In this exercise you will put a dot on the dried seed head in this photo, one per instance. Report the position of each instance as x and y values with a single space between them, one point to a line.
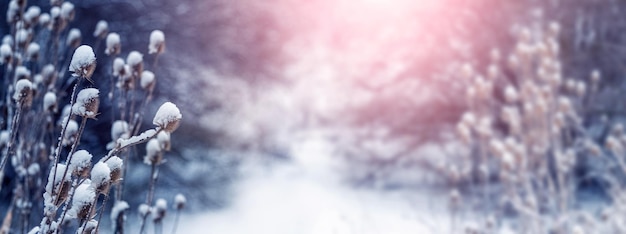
83 62
32 52
154 154
44 20
167 117
126 79
70 133
48 75
180 201
82 201
60 188
6 54
13 12
102 28
23 92
114 47
147 81
89 228
31 16
159 210
119 129
22 72
135 61
143 210
73 38
118 67
164 140
67 11
115 165
50 102
87 102
101 177
23 37
157 42
80 163
118 209
58 23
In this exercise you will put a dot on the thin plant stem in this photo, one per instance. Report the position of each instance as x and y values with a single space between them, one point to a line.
176 218
14 127
104 203
74 145
154 174
69 200
63 130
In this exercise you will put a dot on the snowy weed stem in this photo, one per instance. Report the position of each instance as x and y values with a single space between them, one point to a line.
63 130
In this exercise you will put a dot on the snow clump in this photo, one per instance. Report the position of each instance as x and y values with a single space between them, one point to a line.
83 62
157 42
167 117
86 103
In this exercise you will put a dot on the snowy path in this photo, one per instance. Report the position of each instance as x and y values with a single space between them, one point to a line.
293 199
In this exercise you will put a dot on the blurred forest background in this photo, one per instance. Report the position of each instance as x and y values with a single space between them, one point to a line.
378 83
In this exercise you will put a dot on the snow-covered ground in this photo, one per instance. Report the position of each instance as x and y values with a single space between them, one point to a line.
295 198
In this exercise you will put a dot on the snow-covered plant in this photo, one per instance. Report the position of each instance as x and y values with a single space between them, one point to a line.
73 38
113 45
179 204
102 28
523 127
81 164
157 42
159 210
101 177
87 103
55 180
83 62
135 62
167 117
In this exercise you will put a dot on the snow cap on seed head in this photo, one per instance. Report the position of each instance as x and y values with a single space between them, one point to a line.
87 102
23 92
159 210
50 102
6 53
113 44
32 51
157 42
167 117
115 165
73 38
83 62
154 154
67 11
80 163
102 28
147 80
101 177
135 61
82 200
179 201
